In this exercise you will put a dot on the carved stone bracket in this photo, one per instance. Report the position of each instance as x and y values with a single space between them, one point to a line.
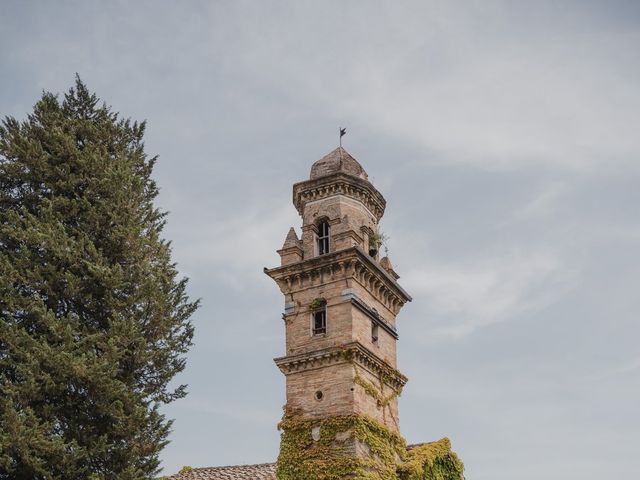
339 184
351 352
351 262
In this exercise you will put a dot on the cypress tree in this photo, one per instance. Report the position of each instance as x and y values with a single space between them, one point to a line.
94 318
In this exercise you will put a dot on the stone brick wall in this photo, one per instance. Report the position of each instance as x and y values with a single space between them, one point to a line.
346 218
334 381
340 395
365 404
385 348
299 337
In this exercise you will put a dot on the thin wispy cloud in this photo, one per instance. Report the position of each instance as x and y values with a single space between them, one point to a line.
234 248
630 367
247 412
447 81
545 201
465 296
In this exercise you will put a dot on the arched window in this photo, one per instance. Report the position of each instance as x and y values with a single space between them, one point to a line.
320 322
318 316
323 238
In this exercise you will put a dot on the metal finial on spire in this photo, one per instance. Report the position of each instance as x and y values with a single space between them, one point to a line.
343 132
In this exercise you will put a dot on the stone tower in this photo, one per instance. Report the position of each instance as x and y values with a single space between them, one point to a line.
341 303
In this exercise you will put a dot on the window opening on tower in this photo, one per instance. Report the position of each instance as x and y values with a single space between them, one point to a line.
374 333
323 238
320 321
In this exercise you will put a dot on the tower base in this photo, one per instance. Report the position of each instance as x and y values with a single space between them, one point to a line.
358 447
346 447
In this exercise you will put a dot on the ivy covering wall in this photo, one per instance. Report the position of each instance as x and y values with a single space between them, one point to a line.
431 461
324 449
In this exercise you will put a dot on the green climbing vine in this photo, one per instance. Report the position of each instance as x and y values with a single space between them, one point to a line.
328 455
374 391
185 469
432 461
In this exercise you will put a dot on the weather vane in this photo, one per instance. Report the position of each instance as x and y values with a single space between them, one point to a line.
343 132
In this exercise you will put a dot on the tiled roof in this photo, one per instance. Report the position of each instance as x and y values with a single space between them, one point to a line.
264 471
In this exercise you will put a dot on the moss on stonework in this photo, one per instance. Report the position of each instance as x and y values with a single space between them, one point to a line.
330 455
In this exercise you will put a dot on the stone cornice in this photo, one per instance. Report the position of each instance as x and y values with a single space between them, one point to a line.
350 262
339 184
351 352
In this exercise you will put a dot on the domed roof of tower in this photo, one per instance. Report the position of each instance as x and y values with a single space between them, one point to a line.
337 161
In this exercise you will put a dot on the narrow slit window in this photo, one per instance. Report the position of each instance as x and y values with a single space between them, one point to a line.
320 322
323 238
374 333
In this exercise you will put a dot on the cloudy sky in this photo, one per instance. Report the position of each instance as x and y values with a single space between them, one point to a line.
504 136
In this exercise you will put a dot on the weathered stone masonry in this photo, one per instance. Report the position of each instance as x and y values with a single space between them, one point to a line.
327 374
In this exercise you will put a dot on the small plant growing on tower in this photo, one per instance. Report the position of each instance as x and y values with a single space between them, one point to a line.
317 303
376 240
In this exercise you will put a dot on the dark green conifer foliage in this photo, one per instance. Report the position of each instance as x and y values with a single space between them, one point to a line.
94 320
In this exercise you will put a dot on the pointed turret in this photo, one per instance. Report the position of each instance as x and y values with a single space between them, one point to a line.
291 240
385 263
291 250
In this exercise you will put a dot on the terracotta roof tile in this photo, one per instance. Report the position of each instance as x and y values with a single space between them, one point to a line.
264 471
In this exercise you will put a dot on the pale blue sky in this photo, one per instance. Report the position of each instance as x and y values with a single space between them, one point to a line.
504 136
